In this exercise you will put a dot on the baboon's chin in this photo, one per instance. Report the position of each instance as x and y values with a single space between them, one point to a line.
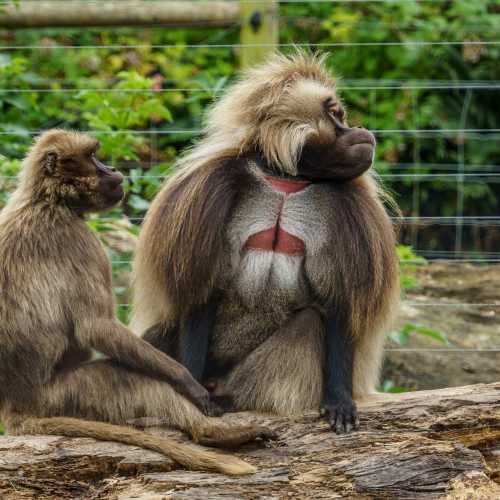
116 195
348 157
111 198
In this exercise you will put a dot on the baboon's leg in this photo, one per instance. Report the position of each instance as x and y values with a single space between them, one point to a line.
107 392
284 374
116 341
368 358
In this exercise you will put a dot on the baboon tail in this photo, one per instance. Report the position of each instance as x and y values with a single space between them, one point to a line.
222 436
191 456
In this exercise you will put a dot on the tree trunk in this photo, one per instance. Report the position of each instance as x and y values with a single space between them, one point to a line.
430 444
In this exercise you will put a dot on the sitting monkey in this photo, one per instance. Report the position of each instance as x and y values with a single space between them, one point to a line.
267 263
57 305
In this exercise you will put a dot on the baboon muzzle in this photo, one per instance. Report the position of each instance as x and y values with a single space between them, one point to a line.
349 156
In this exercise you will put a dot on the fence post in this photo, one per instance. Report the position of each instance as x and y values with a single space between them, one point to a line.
259 26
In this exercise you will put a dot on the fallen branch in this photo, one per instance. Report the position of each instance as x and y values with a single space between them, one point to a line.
432 444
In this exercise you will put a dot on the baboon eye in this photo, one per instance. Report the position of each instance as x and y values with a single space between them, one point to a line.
340 113
334 108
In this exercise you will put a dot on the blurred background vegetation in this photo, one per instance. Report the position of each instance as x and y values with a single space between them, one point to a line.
142 92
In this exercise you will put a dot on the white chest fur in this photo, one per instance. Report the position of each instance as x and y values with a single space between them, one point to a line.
275 228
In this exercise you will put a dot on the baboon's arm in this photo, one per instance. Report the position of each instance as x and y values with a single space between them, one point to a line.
113 339
338 404
194 341
163 337
188 345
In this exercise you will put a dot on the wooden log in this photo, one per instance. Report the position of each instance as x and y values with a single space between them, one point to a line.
38 14
430 444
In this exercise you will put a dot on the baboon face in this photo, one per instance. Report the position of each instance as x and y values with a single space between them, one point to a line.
288 110
333 150
84 182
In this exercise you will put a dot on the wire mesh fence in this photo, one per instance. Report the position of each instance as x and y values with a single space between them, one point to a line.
463 181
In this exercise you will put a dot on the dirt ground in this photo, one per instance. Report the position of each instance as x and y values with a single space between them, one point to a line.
470 325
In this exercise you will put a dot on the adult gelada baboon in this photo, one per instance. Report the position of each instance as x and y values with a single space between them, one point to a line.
57 305
267 262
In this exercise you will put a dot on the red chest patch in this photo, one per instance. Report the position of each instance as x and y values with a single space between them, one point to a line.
276 239
287 186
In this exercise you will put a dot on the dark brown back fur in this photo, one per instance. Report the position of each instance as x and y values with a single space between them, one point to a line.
188 246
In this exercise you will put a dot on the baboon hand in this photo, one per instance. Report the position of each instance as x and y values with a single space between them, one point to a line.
220 405
224 402
195 392
214 410
342 415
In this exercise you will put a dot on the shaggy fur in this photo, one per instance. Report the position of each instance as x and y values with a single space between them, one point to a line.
57 305
197 241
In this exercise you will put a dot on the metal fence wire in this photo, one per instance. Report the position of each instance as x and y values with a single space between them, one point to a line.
457 174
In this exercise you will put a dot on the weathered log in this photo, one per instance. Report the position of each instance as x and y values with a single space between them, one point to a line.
430 444
38 14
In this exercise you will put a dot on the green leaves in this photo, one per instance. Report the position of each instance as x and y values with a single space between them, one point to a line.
128 105
409 262
408 265
402 337
8 172
390 387
137 203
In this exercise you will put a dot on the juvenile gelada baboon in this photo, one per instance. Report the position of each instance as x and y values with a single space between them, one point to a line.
57 305
267 262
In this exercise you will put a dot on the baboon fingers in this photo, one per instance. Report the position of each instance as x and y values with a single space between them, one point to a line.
342 417
215 410
223 402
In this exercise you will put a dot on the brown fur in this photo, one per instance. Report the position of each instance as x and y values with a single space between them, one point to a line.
57 305
276 386
213 194
245 119
278 112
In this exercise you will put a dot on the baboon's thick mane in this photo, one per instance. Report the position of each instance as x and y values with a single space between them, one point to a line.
268 111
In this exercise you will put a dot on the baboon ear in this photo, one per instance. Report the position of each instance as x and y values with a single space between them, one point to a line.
50 162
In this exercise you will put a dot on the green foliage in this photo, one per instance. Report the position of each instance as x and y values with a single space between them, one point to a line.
115 90
417 108
409 262
389 386
8 173
116 113
402 337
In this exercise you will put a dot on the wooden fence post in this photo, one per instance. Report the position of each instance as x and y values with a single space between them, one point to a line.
259 30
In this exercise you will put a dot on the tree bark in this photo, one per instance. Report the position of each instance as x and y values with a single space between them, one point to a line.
38 14
430 444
